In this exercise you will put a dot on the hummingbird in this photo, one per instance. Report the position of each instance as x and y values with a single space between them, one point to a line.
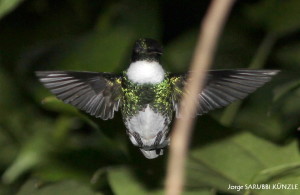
147 95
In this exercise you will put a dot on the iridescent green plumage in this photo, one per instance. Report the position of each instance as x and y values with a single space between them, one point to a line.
137 96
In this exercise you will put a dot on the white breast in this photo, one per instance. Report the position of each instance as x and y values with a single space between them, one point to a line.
143 72
147 124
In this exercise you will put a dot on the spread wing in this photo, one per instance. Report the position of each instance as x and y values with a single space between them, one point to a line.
222 87
99 94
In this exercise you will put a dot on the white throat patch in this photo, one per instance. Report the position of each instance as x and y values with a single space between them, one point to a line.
143 72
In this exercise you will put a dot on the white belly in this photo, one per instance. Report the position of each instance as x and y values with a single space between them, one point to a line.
148 124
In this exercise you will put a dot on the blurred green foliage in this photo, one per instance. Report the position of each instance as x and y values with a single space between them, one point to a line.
48 147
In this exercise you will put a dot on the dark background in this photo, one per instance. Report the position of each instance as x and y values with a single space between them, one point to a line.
47 147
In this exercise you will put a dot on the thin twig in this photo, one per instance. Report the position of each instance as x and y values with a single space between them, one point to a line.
204 51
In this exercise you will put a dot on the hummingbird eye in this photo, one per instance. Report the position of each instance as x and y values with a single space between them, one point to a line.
138 49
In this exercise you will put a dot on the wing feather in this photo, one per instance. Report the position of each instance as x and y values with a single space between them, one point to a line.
99 94
222 87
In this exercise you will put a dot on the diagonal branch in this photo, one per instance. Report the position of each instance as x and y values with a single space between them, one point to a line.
204 51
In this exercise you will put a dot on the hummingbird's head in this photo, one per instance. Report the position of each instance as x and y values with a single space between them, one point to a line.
146 49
